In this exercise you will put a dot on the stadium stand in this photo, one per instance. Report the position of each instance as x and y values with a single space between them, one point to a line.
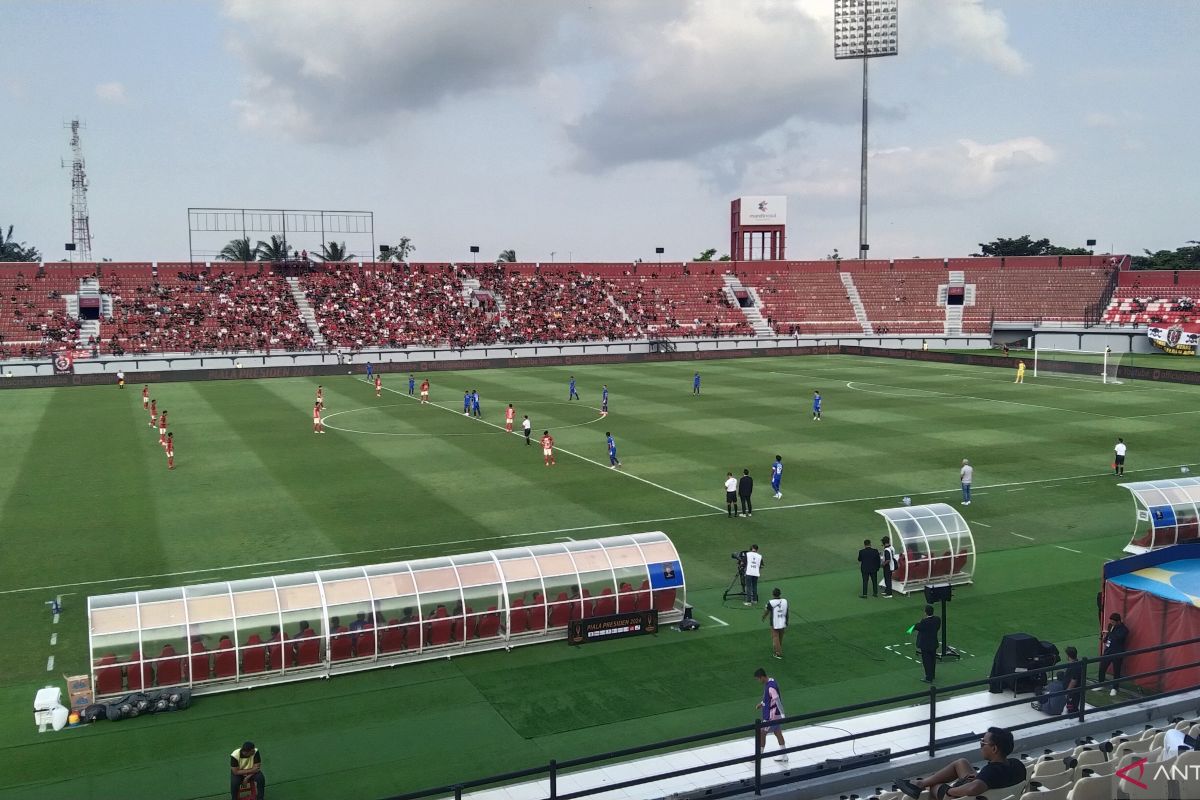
1020 290
900 300
801 297
675 300
33 312
1154 298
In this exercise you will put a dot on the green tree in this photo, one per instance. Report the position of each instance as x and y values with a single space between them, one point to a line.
1179 258
276 249
11 250
707 255
400 251
237 250
1027 246
507 257
334 251
725 257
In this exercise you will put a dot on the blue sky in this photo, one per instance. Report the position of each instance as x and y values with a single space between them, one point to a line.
599 131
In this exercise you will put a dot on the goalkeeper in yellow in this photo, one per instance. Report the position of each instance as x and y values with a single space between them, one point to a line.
1020 372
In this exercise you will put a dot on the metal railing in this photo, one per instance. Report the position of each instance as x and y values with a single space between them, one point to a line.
930 743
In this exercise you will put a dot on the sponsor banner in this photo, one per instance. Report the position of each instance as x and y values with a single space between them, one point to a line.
1177 340
763 210
615 626
64 362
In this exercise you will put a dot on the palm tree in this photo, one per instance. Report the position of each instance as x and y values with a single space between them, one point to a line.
507 256
335 251
237 250
16 251
274 250
401 251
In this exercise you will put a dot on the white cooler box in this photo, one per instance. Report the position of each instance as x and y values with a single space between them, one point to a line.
47 707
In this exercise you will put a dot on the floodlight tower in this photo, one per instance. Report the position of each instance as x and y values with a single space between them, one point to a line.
864 29
81 232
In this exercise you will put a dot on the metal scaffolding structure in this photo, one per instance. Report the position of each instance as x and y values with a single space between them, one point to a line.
81 230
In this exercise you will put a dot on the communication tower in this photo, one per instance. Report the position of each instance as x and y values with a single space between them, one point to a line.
81 232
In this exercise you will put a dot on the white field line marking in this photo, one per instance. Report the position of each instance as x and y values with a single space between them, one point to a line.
718 621
357 553
56 615
577 455
813 504
53 639
1163 414
984 524
132 588
564 538
1033 385
1018 489
895 648
850 385
1023 536
1069 550
49 663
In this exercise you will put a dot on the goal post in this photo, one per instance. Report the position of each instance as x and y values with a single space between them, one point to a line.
1085 364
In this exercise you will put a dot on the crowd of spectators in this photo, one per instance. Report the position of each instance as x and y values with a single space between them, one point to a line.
557 307
33 317
204 311
680 305
397 307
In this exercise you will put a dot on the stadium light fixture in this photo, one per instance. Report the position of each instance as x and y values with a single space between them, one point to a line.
865 29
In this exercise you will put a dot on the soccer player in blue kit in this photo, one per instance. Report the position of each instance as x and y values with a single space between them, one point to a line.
777 476
467 403
604 401
412 385
613 461
696 384
475 404
571 393
816 405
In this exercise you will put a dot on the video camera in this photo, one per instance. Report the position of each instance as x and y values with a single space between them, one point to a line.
740 558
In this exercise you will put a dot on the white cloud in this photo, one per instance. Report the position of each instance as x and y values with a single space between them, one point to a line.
964 26
112 92
960 170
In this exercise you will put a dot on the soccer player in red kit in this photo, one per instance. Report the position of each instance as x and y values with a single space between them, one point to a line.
153 412
378 386
170 451
425 391
145 397
508 418
162 428
318 426
547 448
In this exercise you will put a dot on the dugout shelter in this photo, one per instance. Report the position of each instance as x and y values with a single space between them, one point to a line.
1166 512
235 634
934 544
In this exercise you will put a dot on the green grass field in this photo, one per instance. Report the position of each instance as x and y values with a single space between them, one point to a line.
88 507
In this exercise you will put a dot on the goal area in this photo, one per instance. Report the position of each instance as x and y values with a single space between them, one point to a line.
1103 365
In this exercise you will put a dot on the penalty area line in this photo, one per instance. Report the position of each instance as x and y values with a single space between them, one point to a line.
572 454
718 621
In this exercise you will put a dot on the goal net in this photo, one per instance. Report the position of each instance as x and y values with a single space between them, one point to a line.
1103 365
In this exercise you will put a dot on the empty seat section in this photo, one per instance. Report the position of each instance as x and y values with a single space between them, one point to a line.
169 668
225 660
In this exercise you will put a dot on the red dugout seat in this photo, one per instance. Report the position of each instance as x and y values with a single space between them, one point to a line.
391 638
169 670
308 648
489 624
664 600
254 655
108 675
199 664
340 644
606 604
626 600
364 643
518 616
225 661
139 676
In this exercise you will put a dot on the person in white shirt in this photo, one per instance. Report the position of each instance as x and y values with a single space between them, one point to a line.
777 610
1119 458
964 476
120 379
731 495
526 426
754 561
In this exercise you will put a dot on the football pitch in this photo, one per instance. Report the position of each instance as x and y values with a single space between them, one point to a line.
87 506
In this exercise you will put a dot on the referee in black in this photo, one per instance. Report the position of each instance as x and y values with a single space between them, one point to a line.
745 489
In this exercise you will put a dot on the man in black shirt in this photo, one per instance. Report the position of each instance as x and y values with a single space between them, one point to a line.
868 565
245 766
1115 639
745 489
1073 680
927 641
960 779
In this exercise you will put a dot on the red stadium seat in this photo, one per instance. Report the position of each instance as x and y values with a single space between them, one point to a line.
518 616
625 598
900 573
537 614
308 648
391 638
225 661
960 562
108 675
169 670
254 655
606 604
489 624
138 676
276 651
413 635
199 663
641 600
340 644
464 626
439 631
664 600
364 643
560 615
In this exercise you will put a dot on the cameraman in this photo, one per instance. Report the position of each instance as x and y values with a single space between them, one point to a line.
754 562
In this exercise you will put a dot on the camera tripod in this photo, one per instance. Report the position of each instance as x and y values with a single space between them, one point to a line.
739 580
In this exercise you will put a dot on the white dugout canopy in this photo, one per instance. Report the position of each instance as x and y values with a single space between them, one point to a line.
234 634
934 544
1167 512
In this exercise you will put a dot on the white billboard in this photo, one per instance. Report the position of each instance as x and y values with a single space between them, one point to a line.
763 210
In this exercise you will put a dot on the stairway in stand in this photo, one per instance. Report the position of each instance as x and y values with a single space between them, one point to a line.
306 312
954 314
753 316
860 311
88 328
